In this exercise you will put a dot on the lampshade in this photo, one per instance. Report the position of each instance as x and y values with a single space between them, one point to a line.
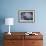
9 21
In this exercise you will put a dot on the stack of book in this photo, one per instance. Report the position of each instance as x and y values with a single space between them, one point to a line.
30 33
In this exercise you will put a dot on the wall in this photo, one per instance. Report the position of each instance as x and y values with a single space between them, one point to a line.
9 8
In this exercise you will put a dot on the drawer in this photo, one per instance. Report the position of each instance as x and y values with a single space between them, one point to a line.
9 43
33 43
37 43
13 43
16 37
33 37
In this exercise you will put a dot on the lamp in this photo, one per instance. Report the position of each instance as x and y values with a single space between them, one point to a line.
9 21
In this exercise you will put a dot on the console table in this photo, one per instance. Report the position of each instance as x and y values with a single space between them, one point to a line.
21 39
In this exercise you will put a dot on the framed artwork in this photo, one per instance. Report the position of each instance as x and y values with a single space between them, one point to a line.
26 16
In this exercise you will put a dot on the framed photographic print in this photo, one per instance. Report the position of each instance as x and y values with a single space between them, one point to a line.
26 16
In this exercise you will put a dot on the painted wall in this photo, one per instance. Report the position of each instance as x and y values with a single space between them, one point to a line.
9 8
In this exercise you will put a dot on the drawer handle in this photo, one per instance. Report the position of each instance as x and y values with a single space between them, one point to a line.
33 42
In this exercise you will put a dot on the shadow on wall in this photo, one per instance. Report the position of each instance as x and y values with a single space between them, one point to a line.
2 21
